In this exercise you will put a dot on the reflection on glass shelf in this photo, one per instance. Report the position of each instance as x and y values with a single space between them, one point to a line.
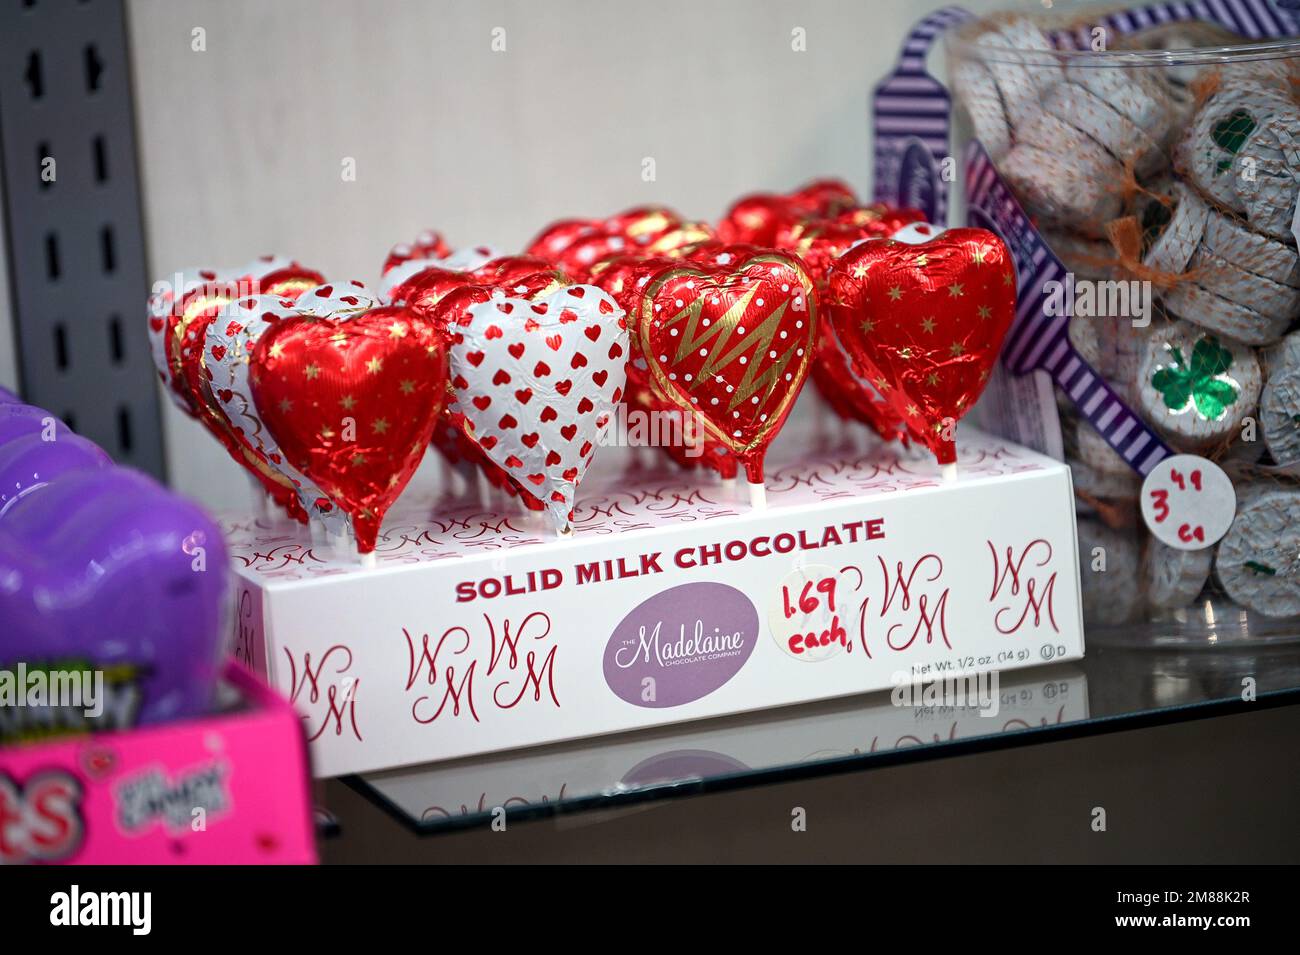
1110 683
1213 621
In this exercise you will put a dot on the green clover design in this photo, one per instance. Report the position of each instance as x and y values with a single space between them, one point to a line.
1204 382
1230 135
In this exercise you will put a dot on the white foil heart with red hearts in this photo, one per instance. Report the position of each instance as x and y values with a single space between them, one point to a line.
163 298
538 383
227 347
338 300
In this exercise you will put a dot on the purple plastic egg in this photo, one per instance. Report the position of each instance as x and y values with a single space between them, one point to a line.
29 462
102 571
19 419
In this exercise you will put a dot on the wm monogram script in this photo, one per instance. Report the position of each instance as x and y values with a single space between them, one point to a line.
514 665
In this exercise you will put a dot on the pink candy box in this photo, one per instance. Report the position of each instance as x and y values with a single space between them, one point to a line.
228 788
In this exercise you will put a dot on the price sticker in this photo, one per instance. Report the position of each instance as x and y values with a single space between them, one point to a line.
1188 502
809 612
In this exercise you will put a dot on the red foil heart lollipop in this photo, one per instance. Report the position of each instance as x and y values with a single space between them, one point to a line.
583 256
507 269
406 261
757 218
288 282
353 403
276 275
427 245
820 241
643 224
576 245
625 279
428 287
683 240
850 395
924 321
731 344
558 236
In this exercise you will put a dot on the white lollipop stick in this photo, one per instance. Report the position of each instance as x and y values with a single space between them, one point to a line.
729 486
820 427
757 495
258 499
949 472
338 541
456 483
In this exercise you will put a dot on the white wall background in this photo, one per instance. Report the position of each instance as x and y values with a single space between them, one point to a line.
241 145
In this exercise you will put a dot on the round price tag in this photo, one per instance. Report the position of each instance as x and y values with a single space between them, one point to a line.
1188 502
809 613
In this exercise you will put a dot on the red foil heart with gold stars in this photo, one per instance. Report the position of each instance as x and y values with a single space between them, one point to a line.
819 242
731 344
352 404
924 322
848 394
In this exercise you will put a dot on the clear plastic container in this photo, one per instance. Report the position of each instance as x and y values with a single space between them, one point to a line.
1161 166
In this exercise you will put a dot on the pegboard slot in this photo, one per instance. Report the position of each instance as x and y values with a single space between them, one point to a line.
99 155
124 437
34 76
107 250
94 68
52 257
61 347
116 350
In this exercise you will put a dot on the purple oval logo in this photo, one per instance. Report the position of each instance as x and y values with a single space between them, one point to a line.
681 645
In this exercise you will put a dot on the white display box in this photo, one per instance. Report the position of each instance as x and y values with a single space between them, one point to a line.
479 631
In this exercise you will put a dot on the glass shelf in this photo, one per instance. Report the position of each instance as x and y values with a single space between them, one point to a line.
1114 687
